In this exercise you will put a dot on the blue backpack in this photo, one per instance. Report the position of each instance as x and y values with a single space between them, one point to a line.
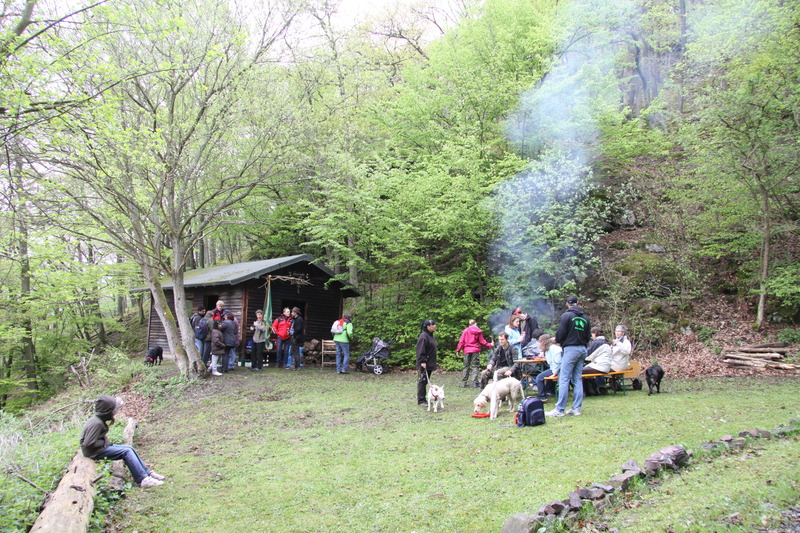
530 413
201 329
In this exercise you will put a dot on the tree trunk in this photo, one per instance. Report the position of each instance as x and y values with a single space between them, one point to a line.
69 508
122 301
191 358
28 349
167 320
765 257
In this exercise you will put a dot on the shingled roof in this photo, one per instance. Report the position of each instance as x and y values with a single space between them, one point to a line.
239 272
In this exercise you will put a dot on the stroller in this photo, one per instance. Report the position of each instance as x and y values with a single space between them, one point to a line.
376 358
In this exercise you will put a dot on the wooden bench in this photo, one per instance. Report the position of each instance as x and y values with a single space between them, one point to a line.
632 373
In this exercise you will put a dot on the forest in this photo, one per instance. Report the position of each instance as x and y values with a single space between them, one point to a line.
448 160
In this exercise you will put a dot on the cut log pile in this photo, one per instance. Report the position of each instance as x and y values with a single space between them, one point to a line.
760 356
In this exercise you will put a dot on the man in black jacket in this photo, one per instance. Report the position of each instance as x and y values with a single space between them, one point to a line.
297 339
573 335
503 359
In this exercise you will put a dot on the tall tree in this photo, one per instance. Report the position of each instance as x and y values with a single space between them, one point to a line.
200 121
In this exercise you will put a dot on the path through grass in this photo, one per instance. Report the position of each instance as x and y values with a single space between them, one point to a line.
316 451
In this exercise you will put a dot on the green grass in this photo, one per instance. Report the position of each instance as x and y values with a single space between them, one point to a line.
315 451
735 492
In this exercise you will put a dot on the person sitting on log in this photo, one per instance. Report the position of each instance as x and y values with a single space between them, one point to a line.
95 444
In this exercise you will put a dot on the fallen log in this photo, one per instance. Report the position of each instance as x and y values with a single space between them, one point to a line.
739 362
775 356
743 357
761 364
750 349
70 506
769 345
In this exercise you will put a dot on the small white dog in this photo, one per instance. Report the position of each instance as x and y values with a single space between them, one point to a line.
435 397
508 389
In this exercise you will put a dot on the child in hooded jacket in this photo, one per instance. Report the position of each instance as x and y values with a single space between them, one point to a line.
95 444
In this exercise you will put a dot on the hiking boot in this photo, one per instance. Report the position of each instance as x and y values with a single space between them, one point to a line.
156 476
463 384
150 482
574 412
555 413
476 384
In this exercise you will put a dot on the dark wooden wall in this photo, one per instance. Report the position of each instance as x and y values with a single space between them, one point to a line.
319 306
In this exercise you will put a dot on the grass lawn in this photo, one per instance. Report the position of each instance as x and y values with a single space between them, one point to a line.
316 451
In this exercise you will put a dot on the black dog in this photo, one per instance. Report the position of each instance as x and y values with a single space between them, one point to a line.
654 375
154 356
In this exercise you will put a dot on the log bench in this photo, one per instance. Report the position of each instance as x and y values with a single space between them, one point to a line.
616 377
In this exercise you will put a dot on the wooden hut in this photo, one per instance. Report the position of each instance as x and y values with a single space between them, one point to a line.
294 281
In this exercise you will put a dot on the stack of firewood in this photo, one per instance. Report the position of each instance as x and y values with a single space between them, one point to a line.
769 355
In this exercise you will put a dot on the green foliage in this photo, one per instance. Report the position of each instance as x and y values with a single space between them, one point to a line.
153 383
39 456
784 286
792 336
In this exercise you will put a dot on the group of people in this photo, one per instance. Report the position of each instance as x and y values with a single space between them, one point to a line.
576 350
218 335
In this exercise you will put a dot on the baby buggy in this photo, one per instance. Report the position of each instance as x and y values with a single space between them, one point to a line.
376 358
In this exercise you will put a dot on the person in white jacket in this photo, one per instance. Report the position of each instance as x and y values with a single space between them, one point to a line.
599 362
552 353
598 354
620 350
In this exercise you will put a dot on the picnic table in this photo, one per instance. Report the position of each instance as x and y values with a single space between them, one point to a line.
537 365
616 378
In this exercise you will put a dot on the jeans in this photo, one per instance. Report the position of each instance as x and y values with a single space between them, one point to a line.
571 371
543 385
199 344
231 358
120 451
281 353
342 356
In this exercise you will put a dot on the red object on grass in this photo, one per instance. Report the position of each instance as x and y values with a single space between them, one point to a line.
480 415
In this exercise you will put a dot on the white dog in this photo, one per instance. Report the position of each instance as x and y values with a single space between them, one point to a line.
435 397
506 389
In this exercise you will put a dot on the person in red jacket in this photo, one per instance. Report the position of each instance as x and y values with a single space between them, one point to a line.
281 326
470 345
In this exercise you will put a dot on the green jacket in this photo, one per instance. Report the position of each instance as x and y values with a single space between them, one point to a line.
346 335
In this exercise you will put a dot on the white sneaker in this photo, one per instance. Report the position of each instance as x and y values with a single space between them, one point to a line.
150 482
156 476
574 412
555 413
215 373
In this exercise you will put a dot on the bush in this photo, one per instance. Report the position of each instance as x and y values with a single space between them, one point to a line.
38 455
